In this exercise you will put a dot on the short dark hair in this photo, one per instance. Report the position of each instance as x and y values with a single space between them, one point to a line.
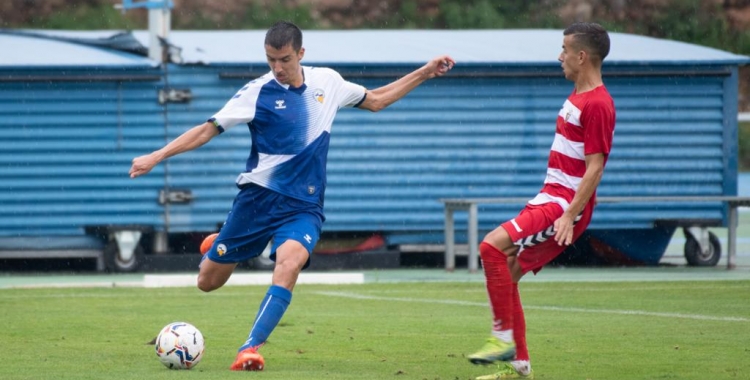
591 37
284 33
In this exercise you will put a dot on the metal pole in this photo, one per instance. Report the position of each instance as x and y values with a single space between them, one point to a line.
473 243
159 25
732 231
450 240
159 20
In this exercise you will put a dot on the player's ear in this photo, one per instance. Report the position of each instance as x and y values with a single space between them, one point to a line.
301 53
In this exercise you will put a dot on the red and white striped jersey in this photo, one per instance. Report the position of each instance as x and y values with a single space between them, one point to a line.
585 125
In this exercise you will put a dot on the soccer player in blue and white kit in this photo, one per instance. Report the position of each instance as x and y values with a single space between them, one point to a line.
289 112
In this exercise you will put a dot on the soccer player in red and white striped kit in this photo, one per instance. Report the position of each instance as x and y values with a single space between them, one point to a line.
562 210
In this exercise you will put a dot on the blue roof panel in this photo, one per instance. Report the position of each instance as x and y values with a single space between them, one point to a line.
512 47
28 51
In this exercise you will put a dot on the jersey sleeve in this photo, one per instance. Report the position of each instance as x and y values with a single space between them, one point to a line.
240 109
598 120
349 94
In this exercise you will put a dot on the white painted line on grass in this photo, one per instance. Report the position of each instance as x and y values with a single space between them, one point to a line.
640 312
544 308
184 280
62 285
190 280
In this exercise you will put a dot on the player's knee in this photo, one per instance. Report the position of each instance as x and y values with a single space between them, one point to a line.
292 258
289 265
206 284
494 237
500 239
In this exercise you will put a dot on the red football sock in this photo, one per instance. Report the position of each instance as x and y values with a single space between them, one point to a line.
519 326
499 288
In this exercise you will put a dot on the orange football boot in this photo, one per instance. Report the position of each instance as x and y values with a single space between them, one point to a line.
248 360
207 243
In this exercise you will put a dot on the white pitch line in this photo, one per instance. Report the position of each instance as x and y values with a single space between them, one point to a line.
62 285
544 308
188 280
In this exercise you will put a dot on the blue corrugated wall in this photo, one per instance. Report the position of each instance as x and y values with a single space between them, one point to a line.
210 171
66 148
66 141
484 136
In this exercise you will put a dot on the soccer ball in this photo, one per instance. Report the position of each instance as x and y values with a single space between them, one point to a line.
179 346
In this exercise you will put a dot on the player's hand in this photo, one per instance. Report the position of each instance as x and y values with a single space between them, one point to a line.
439 66
142 165
564 230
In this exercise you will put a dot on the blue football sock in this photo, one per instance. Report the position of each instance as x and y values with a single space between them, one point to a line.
271 310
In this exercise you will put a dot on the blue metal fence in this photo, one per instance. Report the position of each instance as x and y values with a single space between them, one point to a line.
67 139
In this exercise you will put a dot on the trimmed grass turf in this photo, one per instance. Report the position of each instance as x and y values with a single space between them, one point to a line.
610 330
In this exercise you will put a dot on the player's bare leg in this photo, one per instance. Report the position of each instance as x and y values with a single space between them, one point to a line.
291 257
213 275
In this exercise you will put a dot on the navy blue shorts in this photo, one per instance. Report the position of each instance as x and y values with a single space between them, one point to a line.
260 216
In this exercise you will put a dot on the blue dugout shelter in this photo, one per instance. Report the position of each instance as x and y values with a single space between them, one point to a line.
78 106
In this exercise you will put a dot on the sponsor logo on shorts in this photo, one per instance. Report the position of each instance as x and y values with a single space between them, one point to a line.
308 238
221 249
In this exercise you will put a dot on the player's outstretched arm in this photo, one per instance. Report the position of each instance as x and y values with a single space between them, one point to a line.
191 139
382 97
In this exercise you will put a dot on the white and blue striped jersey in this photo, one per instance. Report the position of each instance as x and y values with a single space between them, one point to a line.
290 129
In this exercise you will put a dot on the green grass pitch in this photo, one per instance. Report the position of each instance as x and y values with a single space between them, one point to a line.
606 330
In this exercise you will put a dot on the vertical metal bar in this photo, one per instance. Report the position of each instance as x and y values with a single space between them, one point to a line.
450 239
732 231
100 262
119 115
159 25
161 240
473 243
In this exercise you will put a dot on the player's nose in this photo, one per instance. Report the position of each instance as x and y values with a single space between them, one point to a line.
276 67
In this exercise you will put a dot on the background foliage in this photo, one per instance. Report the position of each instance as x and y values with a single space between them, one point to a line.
724 24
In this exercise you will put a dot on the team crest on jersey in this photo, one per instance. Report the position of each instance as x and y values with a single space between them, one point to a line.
567 116
311 190
319 95
221 249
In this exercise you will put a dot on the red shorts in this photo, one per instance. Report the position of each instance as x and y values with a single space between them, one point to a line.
533 232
